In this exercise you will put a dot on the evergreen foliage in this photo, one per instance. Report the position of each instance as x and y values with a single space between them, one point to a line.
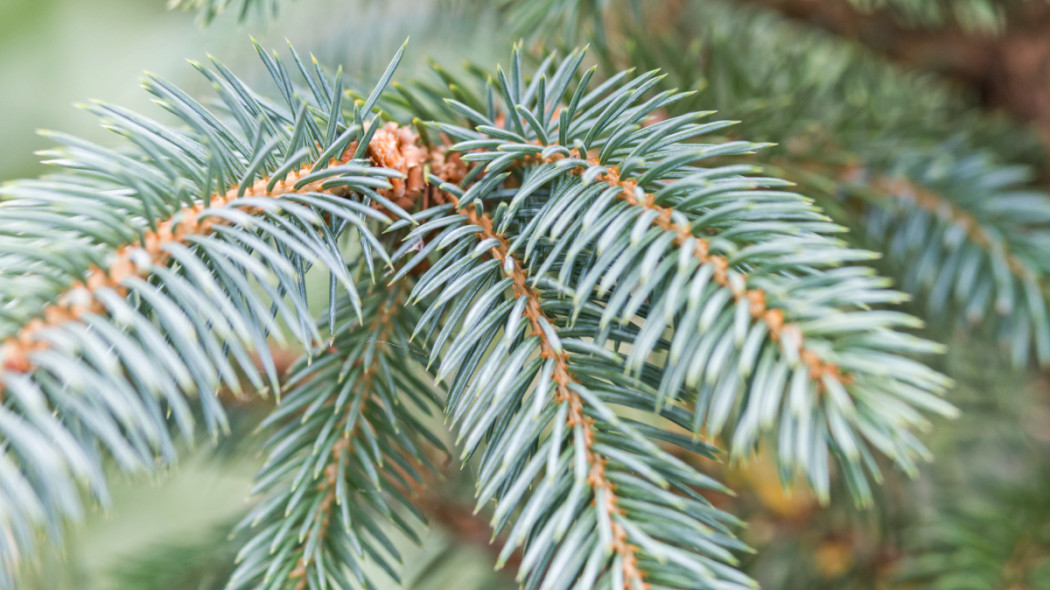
981 15
909 165
593 280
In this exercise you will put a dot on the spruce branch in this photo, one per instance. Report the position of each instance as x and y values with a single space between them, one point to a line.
153 250
553 209
967 235
637 252
345 449
787 335
565 393
599 543
880 169
189 243
595 289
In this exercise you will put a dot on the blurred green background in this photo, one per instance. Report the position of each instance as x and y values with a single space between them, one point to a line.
56 53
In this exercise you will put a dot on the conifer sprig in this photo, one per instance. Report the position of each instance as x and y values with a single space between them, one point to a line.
748 278
595 293
135 281
600 529
970 237
940 187
345 456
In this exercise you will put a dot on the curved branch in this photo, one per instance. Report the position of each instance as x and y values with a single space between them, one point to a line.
633 577
786 334
136 260
381 326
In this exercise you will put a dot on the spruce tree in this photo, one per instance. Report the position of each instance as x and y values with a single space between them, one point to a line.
657 252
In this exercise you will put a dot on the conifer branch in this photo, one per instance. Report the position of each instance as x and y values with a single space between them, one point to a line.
981 263
146 249
531 184
593 259
345 452
787 335
154 250
544 329
968 238
594 290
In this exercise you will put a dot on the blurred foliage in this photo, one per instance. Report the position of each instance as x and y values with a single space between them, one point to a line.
58 53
